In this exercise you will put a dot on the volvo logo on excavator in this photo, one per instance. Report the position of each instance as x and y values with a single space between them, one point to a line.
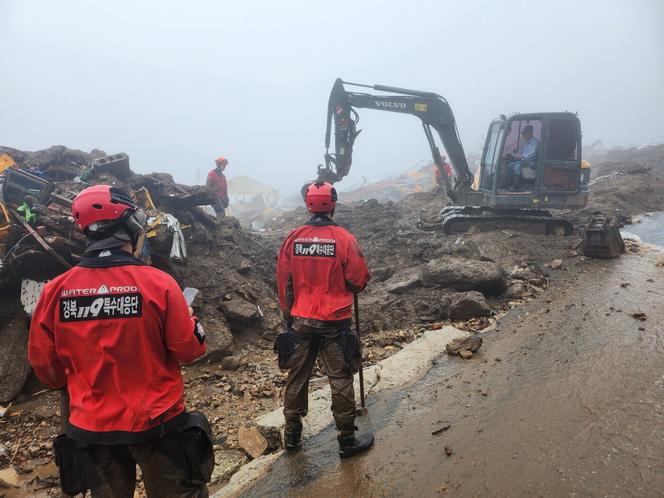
394 105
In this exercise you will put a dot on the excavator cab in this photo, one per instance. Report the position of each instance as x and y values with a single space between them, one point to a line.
532 161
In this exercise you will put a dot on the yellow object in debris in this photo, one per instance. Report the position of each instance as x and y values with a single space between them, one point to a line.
5 221
144 198
6 162
585 164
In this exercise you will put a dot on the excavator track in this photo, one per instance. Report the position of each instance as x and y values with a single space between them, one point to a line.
457 219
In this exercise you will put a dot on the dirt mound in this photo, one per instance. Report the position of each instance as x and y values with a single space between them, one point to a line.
651 157
626 182
401 243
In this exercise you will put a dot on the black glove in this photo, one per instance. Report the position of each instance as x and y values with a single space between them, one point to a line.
288 320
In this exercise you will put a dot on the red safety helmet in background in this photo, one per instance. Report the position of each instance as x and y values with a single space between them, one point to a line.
321 197
102 209
221 160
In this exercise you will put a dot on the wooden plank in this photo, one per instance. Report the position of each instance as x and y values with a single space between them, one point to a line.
41 241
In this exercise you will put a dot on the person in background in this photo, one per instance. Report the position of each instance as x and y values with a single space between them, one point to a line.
216 180
440 181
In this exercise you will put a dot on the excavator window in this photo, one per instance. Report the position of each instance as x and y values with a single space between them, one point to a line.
516 145
491 155
561 172
514 141
563 140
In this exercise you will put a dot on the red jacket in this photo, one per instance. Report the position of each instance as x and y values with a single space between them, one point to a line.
114 331
217 182
319 267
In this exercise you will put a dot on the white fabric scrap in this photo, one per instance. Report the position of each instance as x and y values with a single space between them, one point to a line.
178 248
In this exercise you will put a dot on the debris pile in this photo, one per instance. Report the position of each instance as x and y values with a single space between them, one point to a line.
39 240
393 188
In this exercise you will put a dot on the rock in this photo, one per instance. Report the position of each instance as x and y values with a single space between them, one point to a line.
556 264
520 273
227 462
244 267
9 476
471 344
538 282
377 325
257 441
469 305
465 354
14 366
464 275
218 338
516 290
251 441
403 282
230 363
239 309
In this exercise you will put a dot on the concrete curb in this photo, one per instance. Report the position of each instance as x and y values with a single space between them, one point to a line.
406 366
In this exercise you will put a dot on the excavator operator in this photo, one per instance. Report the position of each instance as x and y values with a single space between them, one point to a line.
527 158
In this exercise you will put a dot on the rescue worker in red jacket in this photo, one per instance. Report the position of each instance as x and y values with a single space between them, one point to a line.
113 332
216 180
319 268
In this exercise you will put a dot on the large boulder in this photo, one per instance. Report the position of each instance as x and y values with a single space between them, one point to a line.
218 338
403 282
469 305
239 310
14 366
464 275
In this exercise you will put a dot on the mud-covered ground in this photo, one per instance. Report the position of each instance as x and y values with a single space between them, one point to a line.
408 293
562 399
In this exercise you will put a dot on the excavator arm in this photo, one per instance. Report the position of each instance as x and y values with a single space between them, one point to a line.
432 110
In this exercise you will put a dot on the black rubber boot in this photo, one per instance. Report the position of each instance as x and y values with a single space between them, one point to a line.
351 445
293 440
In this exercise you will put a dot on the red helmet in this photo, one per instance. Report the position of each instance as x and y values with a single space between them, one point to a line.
320 197
102 208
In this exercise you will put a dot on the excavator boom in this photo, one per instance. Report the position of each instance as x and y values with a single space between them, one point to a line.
432 110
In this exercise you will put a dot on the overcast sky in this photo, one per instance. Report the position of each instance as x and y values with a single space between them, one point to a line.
175 84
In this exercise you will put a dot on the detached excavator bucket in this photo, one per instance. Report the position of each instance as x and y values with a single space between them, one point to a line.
601 237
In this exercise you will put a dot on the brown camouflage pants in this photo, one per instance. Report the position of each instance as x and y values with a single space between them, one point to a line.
325 341
162 476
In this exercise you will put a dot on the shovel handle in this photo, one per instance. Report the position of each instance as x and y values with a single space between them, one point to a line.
357 329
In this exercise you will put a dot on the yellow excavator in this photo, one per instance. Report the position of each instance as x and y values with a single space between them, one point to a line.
530 162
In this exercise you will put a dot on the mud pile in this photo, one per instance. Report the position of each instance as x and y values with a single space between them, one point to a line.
626 182
422 276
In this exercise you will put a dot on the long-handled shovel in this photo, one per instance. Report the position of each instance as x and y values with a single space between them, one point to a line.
362 412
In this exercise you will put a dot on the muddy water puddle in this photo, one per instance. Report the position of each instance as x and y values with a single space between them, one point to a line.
648 228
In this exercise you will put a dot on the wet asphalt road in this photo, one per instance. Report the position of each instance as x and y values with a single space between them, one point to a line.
565 398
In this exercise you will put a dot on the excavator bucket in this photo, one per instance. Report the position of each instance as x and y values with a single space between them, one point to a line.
602 238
